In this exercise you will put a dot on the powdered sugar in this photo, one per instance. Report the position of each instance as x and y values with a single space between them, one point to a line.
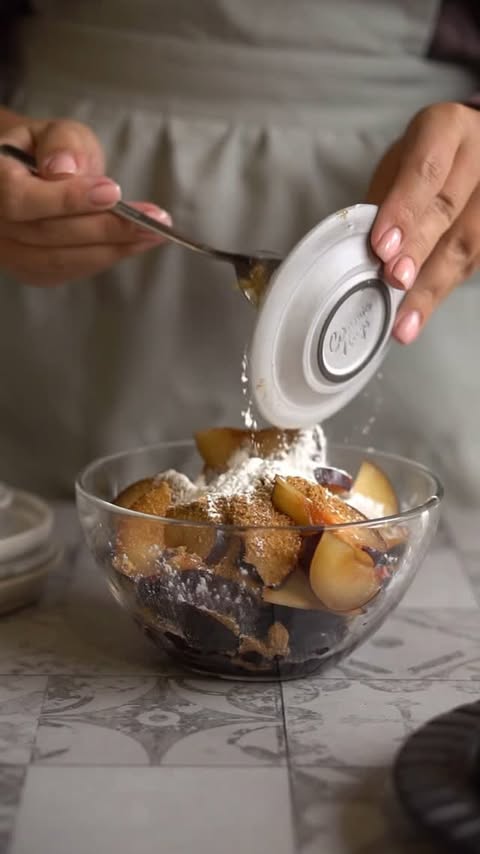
247 413
181 486
370 508
246 472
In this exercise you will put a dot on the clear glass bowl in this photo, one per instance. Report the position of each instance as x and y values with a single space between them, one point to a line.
209 610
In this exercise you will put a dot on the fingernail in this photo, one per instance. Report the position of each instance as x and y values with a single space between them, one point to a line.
160 215
407 328
389 244
404 271
104 194
61 163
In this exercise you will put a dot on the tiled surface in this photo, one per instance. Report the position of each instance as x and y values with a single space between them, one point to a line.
106 747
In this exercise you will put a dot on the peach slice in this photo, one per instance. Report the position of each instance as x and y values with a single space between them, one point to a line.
333 479
217 445
373 492
295 593
311 504
339 579
139 541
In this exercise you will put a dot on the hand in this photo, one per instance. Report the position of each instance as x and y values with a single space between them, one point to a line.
56 228
427 230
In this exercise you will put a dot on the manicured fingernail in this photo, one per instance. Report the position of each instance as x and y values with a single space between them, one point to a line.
61 163
160 215
389 244
407 327
404 272
104 194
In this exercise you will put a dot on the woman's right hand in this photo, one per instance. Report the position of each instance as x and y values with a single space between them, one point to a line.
57 228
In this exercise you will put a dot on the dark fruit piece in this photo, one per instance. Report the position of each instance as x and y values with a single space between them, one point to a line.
133 492
217 446
335 480
273 553
339 578
139 541
180 582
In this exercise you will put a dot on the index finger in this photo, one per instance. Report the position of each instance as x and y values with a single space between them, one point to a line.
429 150
26 198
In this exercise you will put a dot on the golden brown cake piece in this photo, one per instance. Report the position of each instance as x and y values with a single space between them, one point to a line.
203 539
133 492
273 553
140 541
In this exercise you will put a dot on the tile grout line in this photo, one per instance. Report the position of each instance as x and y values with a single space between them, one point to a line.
293 808
11 835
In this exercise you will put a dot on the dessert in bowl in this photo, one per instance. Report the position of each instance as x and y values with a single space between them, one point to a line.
258 554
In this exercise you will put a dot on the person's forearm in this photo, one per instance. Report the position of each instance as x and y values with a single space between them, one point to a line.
8 119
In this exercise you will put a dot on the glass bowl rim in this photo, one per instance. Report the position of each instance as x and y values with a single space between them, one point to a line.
432 502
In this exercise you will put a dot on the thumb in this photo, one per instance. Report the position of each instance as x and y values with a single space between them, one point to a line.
66 148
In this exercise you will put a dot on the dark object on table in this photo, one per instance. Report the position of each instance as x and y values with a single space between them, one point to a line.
437 778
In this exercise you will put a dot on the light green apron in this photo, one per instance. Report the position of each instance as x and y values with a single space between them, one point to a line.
250 122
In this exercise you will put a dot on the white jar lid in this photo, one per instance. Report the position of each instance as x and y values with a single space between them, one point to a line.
324 323
26 524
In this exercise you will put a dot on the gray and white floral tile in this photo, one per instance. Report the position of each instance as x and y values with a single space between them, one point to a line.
338 723
142 810
351 810
11 783
431 643
21 699
440 582
81 638
471 565
462 523
151 721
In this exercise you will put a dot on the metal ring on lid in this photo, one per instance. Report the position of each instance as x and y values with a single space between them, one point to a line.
324 323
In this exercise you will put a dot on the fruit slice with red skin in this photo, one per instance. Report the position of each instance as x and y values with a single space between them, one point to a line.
338 578
372 484
295 593
336 480
311 504
217 446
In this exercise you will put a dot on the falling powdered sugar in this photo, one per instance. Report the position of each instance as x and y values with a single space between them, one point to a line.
246 472
247 413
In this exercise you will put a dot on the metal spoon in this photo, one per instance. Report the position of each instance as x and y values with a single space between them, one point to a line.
252 271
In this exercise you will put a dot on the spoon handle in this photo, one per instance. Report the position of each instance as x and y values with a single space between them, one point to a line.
128 212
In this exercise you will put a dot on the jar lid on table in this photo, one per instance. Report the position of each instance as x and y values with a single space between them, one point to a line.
28 551
324 323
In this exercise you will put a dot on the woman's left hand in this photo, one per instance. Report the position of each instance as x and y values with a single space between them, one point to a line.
427 230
